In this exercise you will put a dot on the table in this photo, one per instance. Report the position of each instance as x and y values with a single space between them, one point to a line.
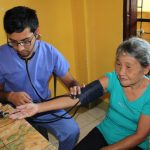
20 135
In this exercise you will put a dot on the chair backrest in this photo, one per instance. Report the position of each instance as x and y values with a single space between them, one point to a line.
55 84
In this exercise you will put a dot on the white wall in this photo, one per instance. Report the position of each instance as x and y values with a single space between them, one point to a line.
146 5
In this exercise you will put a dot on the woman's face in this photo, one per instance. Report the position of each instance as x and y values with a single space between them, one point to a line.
129 70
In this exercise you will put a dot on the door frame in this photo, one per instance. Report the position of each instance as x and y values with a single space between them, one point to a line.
129 18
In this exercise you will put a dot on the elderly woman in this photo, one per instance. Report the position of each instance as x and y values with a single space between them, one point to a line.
127 122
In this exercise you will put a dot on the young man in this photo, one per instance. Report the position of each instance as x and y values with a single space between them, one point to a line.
26 65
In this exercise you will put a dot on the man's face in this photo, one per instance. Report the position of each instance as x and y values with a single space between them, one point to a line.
22 42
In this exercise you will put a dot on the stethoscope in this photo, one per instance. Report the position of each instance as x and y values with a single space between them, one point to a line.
56 117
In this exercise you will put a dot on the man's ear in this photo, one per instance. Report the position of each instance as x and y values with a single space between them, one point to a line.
37 30
37 34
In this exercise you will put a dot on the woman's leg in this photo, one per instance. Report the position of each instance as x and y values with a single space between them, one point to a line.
136 148
93 141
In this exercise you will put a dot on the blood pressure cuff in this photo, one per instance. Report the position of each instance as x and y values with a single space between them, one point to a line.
91 92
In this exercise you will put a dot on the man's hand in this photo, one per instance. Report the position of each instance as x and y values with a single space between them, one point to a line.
76 90
19 98
24 111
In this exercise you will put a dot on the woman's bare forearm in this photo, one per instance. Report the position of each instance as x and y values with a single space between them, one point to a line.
59 103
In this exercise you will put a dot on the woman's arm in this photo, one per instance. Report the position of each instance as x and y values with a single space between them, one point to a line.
129 142
31 109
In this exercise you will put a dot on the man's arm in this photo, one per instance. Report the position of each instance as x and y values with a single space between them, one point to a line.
3 95
131 141
17 98
69 81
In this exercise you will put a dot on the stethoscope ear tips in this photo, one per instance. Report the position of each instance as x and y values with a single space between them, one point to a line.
38 36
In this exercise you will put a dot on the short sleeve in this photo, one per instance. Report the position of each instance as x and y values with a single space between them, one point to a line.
61 65
146 108
111 80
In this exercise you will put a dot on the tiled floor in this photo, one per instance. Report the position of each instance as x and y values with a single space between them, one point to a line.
87 118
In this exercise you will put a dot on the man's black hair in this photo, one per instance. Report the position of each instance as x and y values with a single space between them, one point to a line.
19 18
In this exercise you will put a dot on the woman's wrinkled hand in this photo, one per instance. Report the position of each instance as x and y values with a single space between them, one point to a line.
24 111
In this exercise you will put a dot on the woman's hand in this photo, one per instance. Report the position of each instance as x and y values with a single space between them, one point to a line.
24 111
